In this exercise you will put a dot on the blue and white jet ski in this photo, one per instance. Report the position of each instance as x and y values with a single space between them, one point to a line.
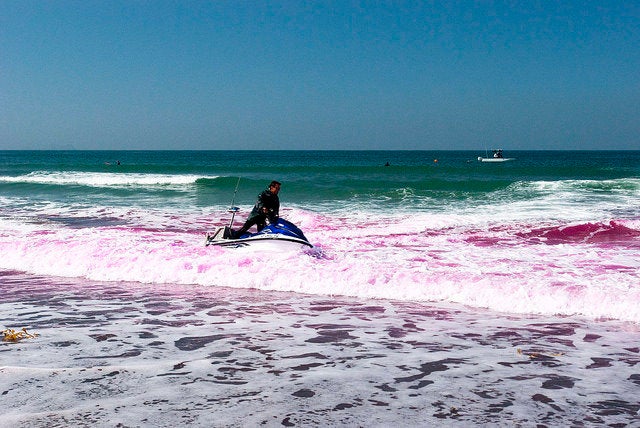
280 235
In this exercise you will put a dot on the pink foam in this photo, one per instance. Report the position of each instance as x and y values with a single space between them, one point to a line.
586 233
589 268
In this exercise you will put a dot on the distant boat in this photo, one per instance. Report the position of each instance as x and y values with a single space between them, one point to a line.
497 157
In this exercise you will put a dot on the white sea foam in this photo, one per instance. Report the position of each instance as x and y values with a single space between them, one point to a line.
424 257
125 354
105 179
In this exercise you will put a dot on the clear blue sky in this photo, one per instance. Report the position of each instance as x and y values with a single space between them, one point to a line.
319 75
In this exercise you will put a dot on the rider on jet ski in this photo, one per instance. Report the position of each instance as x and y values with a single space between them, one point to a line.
267 207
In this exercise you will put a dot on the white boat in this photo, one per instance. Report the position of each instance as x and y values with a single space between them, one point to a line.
497 157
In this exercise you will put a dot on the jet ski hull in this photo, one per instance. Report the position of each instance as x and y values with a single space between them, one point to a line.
278 236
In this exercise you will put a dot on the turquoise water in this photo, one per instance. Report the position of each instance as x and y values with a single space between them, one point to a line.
324 179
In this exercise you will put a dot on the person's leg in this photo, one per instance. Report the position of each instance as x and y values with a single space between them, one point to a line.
247 225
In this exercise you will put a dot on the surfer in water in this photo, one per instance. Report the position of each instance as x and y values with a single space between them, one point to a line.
267 207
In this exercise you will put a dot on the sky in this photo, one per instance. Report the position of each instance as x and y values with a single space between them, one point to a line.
358 75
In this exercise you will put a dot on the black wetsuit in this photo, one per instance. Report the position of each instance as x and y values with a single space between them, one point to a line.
258 216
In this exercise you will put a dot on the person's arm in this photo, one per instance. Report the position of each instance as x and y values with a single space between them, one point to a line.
261 203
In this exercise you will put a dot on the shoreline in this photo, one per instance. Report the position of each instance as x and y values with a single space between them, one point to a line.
111 353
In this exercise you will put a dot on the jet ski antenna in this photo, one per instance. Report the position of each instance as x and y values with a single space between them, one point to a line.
233 209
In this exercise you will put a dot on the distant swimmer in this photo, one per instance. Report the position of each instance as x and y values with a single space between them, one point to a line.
387 164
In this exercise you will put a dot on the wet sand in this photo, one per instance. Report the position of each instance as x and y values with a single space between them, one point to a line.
126 354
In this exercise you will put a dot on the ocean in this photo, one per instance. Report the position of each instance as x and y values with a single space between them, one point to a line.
440 289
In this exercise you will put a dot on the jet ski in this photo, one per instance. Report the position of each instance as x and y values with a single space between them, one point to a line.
280 235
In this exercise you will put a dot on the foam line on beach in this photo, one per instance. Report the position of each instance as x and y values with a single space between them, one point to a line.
216 356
